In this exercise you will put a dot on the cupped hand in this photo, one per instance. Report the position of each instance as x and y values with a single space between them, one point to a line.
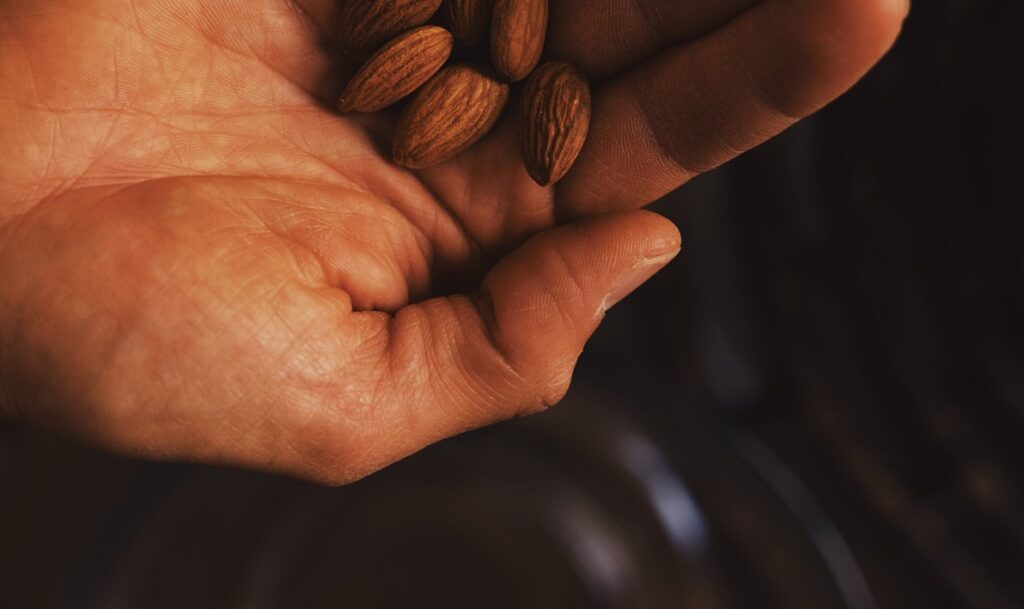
201 260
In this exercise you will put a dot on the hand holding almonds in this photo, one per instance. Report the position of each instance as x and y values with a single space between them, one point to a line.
453 107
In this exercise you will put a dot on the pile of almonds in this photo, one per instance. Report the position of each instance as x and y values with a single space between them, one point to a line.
456 103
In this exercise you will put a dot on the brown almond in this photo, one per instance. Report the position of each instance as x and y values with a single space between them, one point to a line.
366 24
398 69
468 19
554 121
518 31
448 115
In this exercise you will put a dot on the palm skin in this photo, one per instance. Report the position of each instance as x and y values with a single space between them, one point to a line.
201 260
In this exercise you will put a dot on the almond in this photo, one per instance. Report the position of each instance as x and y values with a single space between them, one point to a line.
518 30
366 24
468 19
448 115
398 69
554 121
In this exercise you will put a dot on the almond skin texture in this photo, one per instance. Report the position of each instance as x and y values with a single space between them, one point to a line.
554 121
518 31
398 69
367 24
448 115
469 19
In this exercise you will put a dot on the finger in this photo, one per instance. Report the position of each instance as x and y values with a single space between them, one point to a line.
452 364
603 38
697 105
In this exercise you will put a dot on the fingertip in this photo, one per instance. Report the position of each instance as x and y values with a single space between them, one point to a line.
637 276
874 24
451 364
825 48
663 236
549 296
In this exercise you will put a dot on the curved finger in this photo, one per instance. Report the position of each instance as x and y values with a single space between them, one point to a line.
697 105
453 364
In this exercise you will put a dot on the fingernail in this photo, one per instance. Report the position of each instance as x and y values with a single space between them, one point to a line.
639 275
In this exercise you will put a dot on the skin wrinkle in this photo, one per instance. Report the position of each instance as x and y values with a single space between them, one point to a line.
285 352
295 438
210 267
659 136
244 398
19 44
169 288
193 133
672 127
483 303
226 289
414 282
475 396
243 56
326 276
302 256
249 49
478 393
424 237
102 148
754 84
633 31
574 287
47 170
650 19
475 246
137 28
322 29
138 22
267 51
238 54
435 331
323 162
502 381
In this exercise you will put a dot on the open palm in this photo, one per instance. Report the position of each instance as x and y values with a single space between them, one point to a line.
200 259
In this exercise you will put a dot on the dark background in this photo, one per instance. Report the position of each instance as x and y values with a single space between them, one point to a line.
820 404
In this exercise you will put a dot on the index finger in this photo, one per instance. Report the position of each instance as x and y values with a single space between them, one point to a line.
698 104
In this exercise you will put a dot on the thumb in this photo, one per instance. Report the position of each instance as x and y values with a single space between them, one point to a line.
456 363
542 304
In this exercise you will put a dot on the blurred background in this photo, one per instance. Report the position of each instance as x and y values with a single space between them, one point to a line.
819 405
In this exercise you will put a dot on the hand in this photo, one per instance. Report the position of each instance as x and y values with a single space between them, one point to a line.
200 260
